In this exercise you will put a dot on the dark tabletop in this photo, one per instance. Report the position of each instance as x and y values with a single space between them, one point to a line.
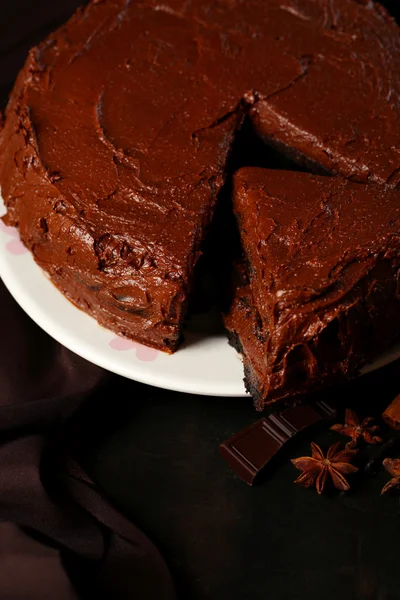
156 455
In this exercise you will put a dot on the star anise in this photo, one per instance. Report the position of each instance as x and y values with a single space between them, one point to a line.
318 469
357 430
392 466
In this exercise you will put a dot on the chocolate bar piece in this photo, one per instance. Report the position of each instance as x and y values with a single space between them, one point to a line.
250 450
391 416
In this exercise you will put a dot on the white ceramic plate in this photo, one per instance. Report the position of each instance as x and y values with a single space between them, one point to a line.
206 364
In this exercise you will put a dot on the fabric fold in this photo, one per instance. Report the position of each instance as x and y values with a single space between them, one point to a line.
60 537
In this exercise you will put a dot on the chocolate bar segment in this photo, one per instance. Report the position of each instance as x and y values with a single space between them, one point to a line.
250 450
391 415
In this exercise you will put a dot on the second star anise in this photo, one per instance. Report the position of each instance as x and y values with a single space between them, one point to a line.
392 466
318 469
358 430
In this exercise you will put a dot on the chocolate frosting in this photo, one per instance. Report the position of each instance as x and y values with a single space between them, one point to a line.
324 278
119 127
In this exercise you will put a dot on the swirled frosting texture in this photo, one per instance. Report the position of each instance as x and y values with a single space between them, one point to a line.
119 127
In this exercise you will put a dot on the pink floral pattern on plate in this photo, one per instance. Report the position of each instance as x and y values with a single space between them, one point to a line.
14 246
142 352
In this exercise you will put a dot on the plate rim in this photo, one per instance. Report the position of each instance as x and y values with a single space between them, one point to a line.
81 346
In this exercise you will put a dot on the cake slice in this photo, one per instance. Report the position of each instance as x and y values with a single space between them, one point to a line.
322 292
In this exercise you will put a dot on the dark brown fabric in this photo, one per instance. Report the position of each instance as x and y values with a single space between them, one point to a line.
42 489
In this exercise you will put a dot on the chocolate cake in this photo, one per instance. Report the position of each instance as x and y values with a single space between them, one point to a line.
119 128
322 293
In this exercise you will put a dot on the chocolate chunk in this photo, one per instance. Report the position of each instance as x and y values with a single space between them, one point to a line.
250 450
391 415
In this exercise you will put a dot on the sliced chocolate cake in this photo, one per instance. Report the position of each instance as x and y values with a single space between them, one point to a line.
322 295
119 128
